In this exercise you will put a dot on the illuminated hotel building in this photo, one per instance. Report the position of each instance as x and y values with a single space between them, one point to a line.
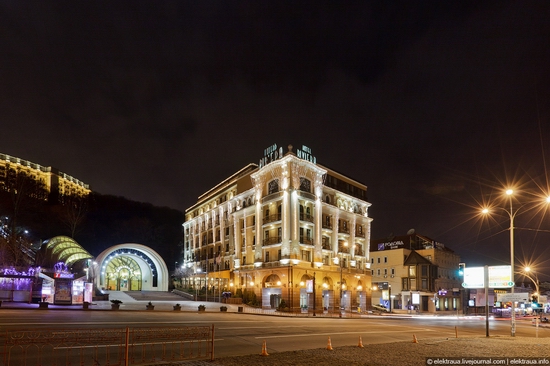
56 184
285 229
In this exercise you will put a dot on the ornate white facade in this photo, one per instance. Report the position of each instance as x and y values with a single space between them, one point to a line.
286 229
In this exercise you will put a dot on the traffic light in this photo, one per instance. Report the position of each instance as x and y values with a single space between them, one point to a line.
461 267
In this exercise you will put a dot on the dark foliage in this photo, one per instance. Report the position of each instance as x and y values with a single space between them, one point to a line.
107 221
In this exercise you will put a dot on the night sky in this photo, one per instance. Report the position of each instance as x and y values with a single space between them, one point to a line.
434 105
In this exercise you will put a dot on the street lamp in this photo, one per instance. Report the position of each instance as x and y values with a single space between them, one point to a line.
535 281
512 214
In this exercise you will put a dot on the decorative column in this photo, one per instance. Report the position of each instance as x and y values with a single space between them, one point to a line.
258 257
237 239
285 212
318 221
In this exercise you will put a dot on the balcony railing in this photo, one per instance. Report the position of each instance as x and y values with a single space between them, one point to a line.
306 195
344 230
327 225
273 240
327 247
272 196
272 218
306 217
306 240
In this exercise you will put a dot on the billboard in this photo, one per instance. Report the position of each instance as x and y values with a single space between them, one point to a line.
499 277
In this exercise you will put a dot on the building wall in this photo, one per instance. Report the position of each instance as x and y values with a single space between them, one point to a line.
273 228
442 274
56 183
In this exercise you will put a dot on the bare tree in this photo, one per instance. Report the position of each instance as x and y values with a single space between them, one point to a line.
73 213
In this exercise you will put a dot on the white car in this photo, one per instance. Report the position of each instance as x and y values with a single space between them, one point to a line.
380 307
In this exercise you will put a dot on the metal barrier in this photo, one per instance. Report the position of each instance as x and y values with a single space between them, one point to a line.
113 347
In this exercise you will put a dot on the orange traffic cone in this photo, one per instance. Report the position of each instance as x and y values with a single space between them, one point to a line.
414 339
360 345
329 345
264 350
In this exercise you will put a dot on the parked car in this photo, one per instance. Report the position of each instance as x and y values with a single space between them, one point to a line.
381 308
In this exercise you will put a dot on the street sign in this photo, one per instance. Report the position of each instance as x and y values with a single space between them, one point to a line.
517 297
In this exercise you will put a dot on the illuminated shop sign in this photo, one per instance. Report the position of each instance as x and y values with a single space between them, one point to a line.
391 245
63 275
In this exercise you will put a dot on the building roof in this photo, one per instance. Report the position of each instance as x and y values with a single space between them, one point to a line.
62 249
414 258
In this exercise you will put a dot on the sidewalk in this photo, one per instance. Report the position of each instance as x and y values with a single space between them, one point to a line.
128 303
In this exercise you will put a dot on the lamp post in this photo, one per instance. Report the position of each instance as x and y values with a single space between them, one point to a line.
198 271
535 281
509 192
512 214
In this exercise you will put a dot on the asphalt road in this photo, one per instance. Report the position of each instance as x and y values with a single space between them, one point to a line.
242 334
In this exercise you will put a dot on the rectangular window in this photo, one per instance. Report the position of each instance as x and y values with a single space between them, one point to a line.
412 271
393 272
378 272
279 255
424 284
244 259
378 260
413 284
424 269
385 259
405 283
267 256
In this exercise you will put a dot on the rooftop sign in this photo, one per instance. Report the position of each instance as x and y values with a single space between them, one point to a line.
391 245
274 152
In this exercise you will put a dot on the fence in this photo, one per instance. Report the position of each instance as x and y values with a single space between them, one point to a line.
113 347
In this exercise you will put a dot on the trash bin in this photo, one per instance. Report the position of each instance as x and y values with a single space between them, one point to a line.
240 309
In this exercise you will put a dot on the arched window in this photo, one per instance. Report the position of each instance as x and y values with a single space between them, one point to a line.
273 186
305 185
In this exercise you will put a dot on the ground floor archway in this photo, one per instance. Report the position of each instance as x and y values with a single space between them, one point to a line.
131 267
